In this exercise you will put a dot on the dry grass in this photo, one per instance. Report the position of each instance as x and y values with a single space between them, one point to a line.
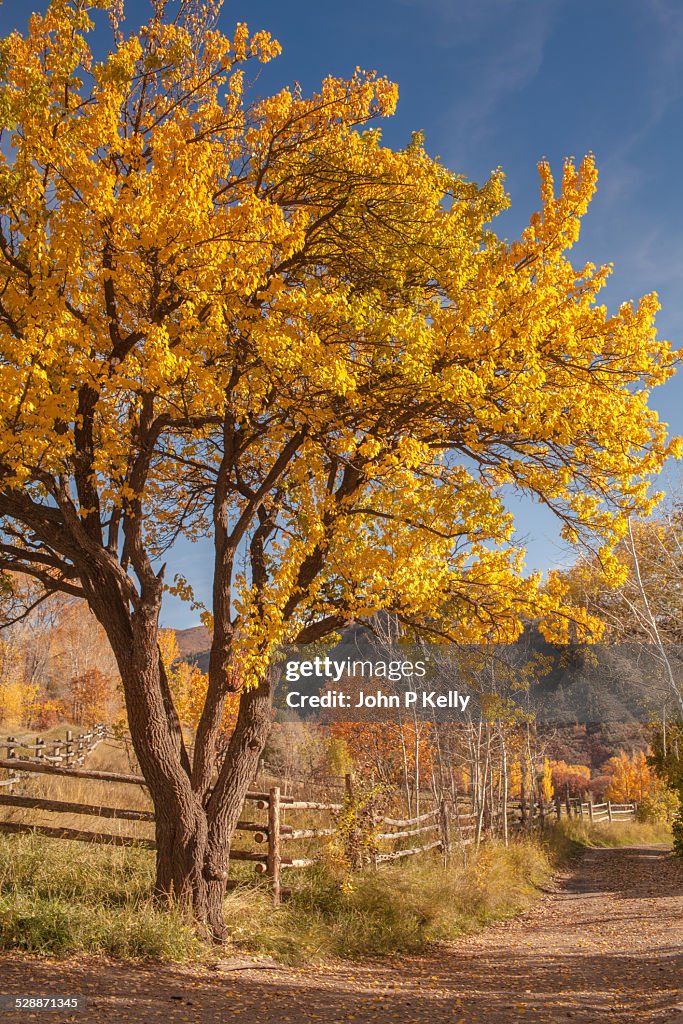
399 908
626 833
99 901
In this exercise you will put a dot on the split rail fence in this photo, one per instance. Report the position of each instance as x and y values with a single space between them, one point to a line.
68 751
391 839
274 833
608 811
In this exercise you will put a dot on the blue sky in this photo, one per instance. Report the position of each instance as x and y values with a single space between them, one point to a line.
505 83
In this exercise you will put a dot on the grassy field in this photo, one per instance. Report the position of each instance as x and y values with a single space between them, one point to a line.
627 833
98 901
61 898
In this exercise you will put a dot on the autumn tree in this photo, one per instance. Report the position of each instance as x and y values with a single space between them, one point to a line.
395 752
90 697
570 779
248 320
631 778
667 761
637 594
51 639
77 643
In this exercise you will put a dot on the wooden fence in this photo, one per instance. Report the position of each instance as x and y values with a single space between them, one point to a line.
68 751
390 839
607 811
274 833
427 826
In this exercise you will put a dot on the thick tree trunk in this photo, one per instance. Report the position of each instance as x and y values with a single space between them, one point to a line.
193 852
184 874
195 819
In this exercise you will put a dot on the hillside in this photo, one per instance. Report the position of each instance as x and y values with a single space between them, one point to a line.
193 641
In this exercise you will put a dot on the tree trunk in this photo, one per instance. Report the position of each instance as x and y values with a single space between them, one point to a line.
195 823
193 852
189 875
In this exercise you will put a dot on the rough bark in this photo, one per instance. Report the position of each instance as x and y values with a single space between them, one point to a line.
194 827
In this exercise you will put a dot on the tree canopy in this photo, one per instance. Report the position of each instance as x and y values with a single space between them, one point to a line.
248 319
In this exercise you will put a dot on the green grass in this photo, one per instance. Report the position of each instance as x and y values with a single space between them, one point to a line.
57 898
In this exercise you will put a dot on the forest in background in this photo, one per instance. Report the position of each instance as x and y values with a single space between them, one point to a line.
56 668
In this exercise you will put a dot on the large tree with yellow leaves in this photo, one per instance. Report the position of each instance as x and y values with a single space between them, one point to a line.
247 319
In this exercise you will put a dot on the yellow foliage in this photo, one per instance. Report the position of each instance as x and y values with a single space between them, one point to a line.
631 778
17 700
547 787
199 285
515 780
188 685
636 591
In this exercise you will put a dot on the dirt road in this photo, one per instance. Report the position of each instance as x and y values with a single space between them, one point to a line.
607 946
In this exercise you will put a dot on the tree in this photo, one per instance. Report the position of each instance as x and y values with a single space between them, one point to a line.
249 320
667 761
546 786
631 778
637 595
642 602
643 605
91 695
571 779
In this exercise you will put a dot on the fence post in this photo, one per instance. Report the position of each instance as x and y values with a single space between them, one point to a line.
558 807
274 858
445 829
11 752
348 785
541 806
609 809
69 748
39 745
567 801
590 808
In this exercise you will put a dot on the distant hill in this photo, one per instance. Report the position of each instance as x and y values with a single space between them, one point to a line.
602 706
193 641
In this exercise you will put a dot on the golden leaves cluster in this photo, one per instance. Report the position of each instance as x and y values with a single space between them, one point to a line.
168 240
